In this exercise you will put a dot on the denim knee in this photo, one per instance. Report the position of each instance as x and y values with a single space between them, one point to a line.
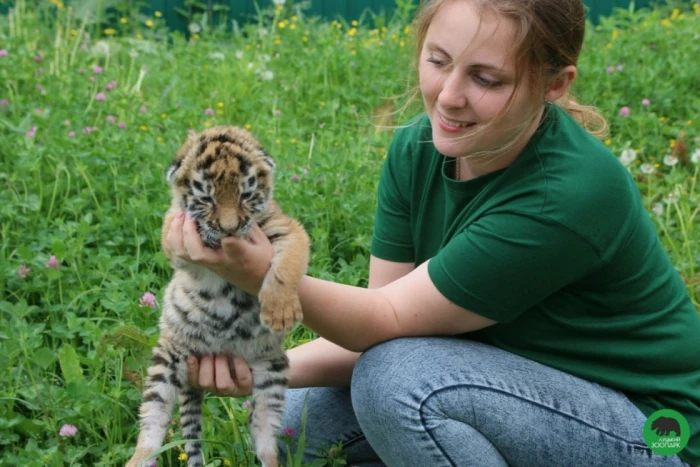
379 389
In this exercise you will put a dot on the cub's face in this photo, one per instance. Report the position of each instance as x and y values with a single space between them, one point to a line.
223 178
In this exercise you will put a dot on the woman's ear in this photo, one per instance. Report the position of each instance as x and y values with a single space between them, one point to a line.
560 83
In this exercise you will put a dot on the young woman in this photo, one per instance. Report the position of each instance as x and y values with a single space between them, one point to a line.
521 310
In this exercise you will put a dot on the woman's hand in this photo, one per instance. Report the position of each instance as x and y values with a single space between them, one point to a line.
221 374
240 261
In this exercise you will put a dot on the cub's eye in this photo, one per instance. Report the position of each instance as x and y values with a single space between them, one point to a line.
247 195
207 199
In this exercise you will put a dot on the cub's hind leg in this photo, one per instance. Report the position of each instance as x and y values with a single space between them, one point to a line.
165 379
191 421
270 381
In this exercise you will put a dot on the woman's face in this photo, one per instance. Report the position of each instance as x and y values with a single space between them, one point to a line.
467 74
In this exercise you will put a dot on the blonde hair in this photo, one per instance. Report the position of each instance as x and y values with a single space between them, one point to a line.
548 37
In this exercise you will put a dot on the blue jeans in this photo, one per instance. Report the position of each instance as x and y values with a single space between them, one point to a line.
433 402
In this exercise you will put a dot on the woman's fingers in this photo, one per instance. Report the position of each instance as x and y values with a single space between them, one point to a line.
224 379
243 377
205 378
220 374
193 371
175 238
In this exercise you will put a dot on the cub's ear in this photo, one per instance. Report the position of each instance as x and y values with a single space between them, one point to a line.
170 175
268 159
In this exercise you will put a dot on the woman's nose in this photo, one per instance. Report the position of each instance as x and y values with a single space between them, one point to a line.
453 93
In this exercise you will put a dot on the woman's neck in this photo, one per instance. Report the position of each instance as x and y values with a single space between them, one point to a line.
470 169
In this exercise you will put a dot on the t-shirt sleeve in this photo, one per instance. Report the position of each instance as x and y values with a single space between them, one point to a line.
505 263
392 239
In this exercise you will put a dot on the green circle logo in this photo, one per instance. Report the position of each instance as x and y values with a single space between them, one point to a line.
666 432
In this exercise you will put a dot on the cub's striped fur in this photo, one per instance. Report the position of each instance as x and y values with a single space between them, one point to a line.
223 178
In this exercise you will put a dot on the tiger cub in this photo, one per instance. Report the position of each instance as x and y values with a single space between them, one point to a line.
224 179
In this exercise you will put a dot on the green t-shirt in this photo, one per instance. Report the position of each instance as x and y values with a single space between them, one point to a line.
559 250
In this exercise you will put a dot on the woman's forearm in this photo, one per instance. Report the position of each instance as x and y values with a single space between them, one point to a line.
352 317
320 363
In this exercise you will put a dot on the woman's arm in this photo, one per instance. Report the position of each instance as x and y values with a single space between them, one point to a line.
323 363
361 318
352 317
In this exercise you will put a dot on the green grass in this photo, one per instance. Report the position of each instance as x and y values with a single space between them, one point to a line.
75 339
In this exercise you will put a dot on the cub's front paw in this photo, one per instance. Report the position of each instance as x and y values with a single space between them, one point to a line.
280 310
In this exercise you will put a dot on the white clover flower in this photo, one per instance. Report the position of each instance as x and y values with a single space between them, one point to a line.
250 65
267 75
217 56
657 209
239 54
647 168
695 157
670 160
628 156
194 28
265 58
279 2
101 49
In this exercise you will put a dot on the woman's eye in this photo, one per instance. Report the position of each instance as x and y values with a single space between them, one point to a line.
435 61
487 83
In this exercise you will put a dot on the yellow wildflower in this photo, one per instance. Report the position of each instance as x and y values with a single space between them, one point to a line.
158 14
219 104
676 13
277 141
227 463
689 122
143 127
295 18
672 143
195 36
354 22
123 20
401 44
160 139
615 34
292 26
666 22
183 456
407 29
282 24
149 23
248 126
293 140
139 36
662 119
219 112
110 32
163 115
608 142
352 32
